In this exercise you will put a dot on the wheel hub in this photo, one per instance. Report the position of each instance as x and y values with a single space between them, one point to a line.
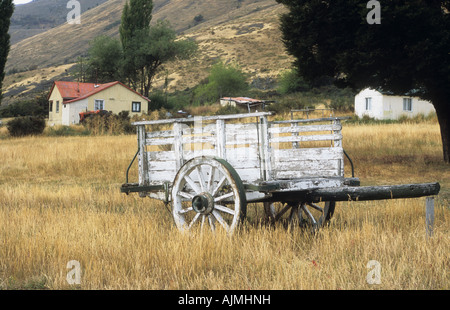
203 203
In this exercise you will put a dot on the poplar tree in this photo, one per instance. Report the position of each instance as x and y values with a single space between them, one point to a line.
147 48
6 11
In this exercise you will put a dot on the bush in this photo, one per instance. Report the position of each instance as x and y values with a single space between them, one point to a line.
223 80
291 82
28 125
229 109
110 124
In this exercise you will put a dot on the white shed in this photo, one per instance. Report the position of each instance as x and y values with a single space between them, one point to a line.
380 105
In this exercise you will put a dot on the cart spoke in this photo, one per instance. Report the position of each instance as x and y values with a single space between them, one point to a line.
210 178
211 221
224 209
283 211
194 186
185 195
220 219
308 213
219 185
183 211
220 198
315 206
200 178
194 220
203 222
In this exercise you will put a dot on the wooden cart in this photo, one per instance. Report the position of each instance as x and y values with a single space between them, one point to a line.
209 168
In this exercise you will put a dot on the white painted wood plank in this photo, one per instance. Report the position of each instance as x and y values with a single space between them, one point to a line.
284 174
161 156
305 128
162 165
159 141
178 145
327 153
160 134
162 176
220 139
327 137
204 118
307 165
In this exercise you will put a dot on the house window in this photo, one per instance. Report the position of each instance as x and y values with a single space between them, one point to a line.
99 105
57 107
50 106
368 104
136 107
407 104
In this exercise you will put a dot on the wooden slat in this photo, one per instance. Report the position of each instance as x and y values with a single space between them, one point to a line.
161 141
220 139
306 128
307 165
205 118
289 155
160 134
328 137
158 176
283 174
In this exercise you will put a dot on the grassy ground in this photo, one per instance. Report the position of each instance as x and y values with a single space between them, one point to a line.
60 201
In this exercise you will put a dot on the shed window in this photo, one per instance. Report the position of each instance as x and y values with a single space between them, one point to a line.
57 107
50 106
136 107
368 104
407 104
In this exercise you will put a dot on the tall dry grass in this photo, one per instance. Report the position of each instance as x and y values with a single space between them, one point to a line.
60 201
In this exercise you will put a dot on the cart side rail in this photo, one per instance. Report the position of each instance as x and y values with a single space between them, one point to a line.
306 148
165 145
259 150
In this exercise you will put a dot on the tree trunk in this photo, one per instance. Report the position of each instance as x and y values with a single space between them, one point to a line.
443 115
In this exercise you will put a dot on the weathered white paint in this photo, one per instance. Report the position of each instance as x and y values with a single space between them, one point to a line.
70 112
389 107
257 151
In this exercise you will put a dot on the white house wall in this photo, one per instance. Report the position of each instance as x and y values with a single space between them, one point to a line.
65 114
75 109
376 110
389 107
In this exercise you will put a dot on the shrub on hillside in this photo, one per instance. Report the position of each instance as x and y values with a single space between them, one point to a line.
28 125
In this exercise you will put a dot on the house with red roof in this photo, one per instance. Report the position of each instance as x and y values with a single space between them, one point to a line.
68 99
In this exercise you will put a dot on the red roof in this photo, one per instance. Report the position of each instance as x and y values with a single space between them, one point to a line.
242 99
74 91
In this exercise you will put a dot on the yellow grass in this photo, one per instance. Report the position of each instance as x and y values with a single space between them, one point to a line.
60 201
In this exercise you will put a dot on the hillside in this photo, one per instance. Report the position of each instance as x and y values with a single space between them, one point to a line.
41 15
245 32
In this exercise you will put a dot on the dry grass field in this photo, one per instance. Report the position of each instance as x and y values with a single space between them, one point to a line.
60 201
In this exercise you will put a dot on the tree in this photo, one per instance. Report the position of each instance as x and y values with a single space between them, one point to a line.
136 16
147 48
407 53
6 10
223 80
104 63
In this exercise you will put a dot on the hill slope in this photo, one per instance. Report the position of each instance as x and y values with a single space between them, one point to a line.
245 32
39 16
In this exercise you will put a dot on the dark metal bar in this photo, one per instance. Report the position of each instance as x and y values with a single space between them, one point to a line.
351 163
129 166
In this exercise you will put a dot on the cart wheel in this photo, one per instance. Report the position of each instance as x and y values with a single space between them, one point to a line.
305 214
208 192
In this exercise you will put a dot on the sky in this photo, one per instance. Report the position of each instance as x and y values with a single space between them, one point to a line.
21 1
